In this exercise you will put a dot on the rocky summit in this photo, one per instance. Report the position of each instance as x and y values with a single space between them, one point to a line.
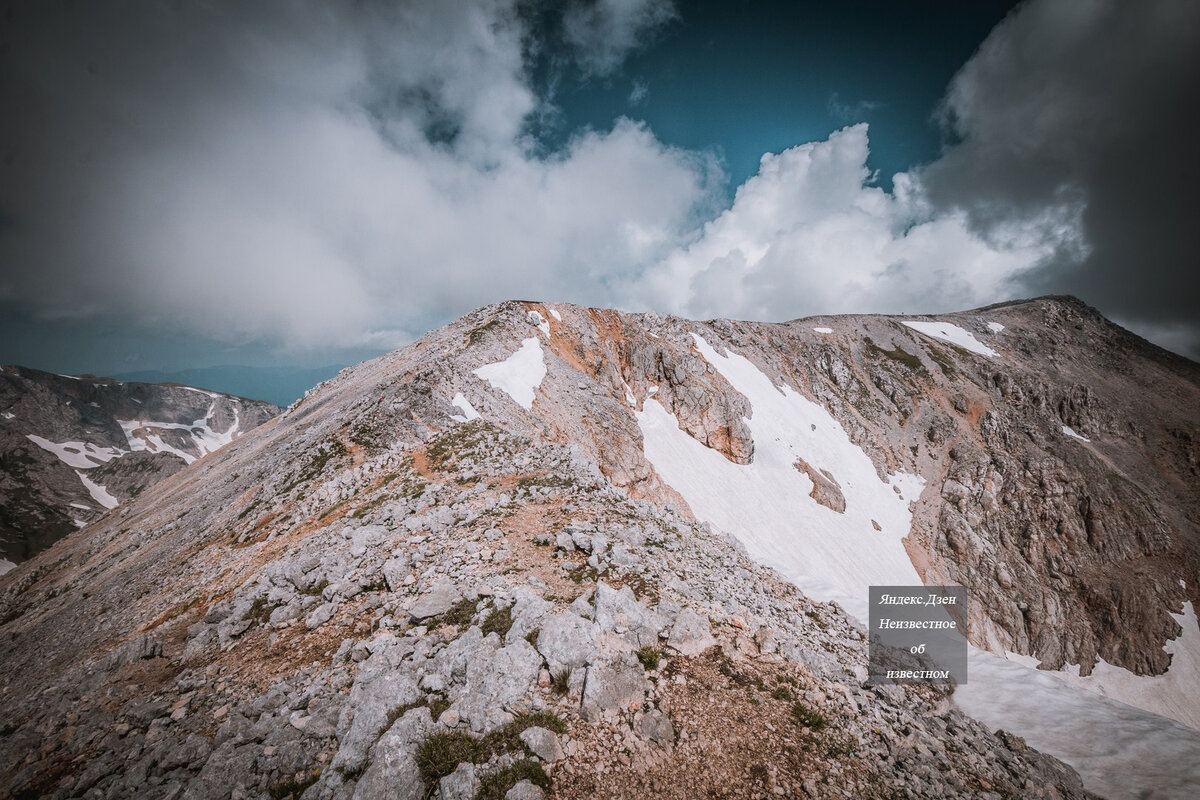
73 447
569 552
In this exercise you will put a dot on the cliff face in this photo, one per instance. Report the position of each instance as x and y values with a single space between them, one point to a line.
513 538
71 448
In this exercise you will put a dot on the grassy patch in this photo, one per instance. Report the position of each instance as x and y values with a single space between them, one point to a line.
316 589
649 656
808 717
461 613
498 621
899 355
495 785
442 752
292 788
260 610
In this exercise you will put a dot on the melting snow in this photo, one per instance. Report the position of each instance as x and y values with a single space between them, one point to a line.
554 313
469 412
629 398
98 492
1172 694
1070 432
540 321
79 455
995 327
6 565
953 334
9 415
823 330
1119 750
139 433
81 506
520 374
766 503
832 556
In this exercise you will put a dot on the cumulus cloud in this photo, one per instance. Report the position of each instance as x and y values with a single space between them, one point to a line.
602 32
809 234
1092 102
311 174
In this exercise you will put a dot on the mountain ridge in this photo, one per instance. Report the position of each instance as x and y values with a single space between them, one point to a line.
457 461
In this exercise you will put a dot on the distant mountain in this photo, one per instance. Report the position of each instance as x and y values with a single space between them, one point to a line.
280 386
628 555
73 447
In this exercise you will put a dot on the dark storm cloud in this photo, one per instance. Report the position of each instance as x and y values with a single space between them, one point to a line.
1091 103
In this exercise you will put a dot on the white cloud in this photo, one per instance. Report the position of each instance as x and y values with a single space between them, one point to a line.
332 176
809 234
603 32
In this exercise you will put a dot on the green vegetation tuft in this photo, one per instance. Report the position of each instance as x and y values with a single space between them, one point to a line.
649 656
808 717
498 621
294 787
442 752
495 785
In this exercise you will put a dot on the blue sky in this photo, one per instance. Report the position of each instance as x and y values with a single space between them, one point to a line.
307 183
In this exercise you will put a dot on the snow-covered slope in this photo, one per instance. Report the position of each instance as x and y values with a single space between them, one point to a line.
73 447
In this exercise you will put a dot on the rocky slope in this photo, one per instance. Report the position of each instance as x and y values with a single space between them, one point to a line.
456 567
73 447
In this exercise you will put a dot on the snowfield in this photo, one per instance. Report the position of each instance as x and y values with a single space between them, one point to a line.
469 412
1069 431
520 374
767 503
952 334
98 492
78 455
1118 749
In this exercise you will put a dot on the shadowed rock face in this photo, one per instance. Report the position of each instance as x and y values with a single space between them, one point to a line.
336 587
42 497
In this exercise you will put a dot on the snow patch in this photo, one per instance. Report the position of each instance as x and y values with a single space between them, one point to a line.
1133 753
1070 432
995 327
98 492
823 330
469 412
78 455
1172 694
953 334
554 313
540 321
9 415
629 398
520 374
142 435
81 506
767 505
6 565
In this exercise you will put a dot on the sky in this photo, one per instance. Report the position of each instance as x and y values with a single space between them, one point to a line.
306 183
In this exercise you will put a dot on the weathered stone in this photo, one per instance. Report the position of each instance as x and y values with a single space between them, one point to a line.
691 634
524 790
462 784
543 743
372 701
656 726
618 682
393 772
436 601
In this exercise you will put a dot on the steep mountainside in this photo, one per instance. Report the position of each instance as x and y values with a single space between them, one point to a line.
71 448
539 541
